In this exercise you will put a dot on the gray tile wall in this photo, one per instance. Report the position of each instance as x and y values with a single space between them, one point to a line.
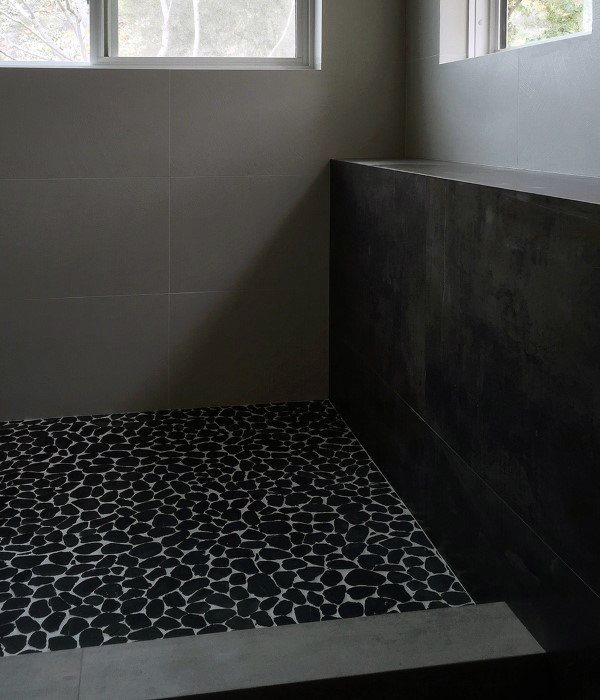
164 234
536 108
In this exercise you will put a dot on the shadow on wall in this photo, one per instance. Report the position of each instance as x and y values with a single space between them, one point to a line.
265 338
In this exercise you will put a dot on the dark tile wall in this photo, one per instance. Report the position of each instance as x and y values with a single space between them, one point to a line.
465 334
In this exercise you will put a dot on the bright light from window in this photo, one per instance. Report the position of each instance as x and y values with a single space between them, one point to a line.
44 30
471 28
207 28
536 20
167 33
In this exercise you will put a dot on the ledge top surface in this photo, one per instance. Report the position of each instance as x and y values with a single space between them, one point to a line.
570 187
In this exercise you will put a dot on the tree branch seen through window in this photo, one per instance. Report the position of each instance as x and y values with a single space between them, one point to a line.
59 30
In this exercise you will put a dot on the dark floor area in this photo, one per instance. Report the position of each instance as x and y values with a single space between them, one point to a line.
143 526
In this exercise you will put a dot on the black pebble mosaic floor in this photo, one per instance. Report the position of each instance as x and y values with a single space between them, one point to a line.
145 526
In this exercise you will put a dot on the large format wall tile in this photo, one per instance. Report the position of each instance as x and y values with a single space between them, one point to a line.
288 122
91 237
423 39
465 111
249 232
493 551
559 103
387 272
79 356
230 348
506 324
520 339
281 122
83 123
535 107
244 122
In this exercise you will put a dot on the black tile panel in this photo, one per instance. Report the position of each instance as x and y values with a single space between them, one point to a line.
391 254
486 324
490 548
519 389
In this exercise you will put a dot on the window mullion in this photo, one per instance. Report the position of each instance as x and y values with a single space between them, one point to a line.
305 28
299 36
502 24
111 24
96 31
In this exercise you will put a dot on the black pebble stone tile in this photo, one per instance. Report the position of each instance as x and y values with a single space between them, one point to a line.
147 526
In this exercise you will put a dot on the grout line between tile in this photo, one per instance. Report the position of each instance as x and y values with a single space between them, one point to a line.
206 176
142 294
518 110
84 179
169 261
80 673
169 120
89 296
405 72
169 351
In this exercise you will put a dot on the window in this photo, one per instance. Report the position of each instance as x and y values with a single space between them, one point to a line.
470 28
155 33
44 31
527 21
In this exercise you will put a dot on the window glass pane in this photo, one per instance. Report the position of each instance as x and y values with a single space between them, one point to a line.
44 30
209 28
535 20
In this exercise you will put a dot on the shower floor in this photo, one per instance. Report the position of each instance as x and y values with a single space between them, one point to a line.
145 526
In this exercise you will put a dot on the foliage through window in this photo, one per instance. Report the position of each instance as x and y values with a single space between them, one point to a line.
44 30
535 20
471 28
153 32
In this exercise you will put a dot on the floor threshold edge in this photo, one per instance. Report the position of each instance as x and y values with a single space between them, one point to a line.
232 662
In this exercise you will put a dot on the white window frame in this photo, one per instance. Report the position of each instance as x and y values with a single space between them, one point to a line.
487 27
487 31
103 47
